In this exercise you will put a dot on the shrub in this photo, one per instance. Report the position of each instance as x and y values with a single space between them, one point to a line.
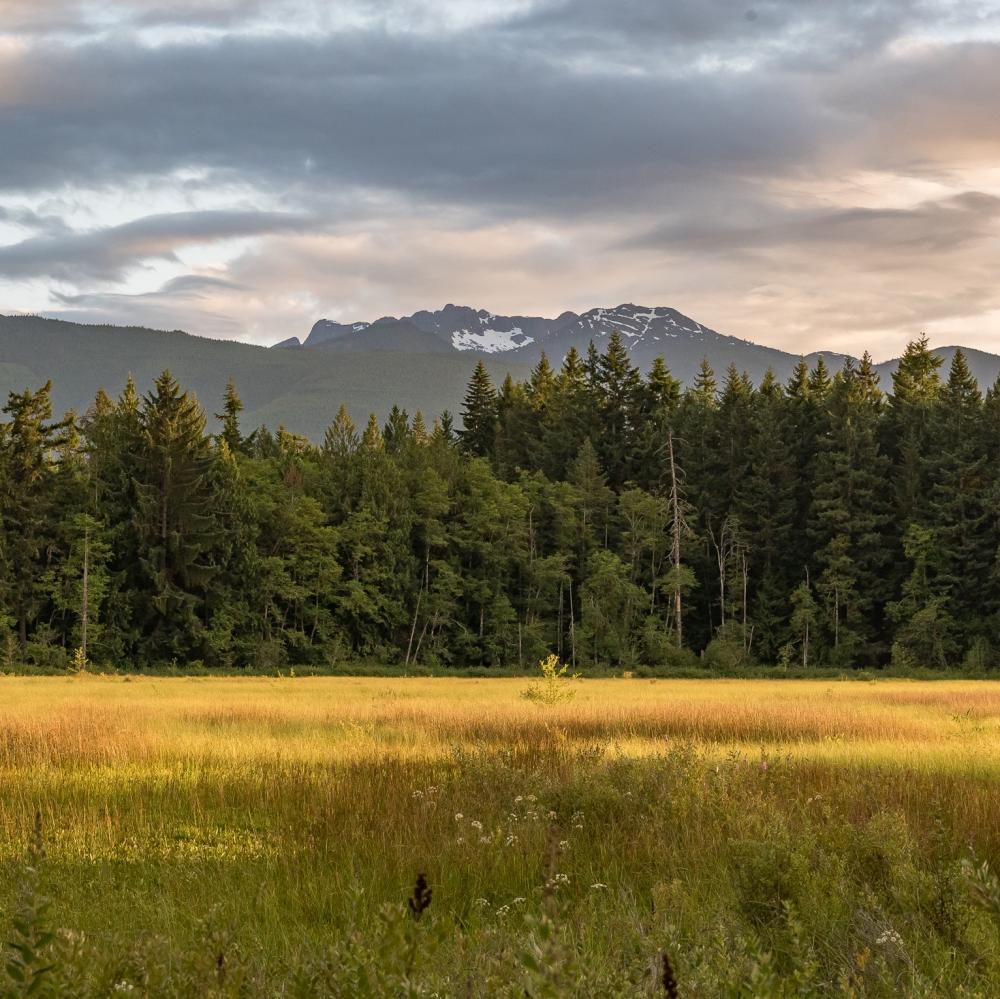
554 685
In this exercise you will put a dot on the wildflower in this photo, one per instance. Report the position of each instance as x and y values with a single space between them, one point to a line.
481 902
484 839
459 816
518 900
503 911
598 885
518 799
418 794
476 824
461 839
564 844
510 840
889 938
552 815
531 797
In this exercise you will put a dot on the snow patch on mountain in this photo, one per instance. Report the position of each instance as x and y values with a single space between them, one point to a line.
490 341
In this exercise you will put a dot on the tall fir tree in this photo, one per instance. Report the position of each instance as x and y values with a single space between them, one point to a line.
175 522
479 415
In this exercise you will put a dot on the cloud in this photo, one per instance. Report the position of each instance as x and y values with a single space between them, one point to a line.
770 166
497 126
935 226
108 254
750 31
189 301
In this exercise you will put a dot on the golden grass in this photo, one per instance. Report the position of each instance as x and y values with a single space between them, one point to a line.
96 747
285 800
96 719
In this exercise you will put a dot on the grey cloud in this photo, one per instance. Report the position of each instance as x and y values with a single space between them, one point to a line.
79 19
761 29
585 118
183 302
29 219
501 119
107 254
479 122
935 226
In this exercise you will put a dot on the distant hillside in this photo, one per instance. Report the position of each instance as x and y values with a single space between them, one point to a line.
985 367
299 389
420 362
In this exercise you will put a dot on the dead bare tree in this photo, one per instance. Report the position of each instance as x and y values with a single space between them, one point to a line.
678 526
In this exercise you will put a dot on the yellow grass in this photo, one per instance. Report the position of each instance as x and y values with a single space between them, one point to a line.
96 719
286 799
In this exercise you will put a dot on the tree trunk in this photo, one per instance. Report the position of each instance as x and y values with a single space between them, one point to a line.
85 601
572 626
675 554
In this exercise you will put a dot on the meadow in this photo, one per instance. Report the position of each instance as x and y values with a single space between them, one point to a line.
263 836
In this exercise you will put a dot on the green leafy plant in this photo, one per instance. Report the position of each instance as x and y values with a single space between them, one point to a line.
28 961
554 685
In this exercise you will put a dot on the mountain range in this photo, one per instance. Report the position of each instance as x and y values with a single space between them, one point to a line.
422 361
648 333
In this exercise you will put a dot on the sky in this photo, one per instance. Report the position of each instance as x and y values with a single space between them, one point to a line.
802 173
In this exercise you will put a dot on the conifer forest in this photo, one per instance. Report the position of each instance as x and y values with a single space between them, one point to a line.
610 517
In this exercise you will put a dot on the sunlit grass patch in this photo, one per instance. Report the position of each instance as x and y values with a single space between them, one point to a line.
731 823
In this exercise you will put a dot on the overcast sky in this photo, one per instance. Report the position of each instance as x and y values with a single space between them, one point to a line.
803 173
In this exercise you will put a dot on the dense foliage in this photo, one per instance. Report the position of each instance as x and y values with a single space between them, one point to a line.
591 512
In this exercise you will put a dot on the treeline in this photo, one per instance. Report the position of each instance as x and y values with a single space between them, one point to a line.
611 518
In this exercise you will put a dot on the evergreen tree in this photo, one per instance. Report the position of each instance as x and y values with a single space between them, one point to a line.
230 418
568 419
396 433
850 514
619 396
959 503
479 415
925 632
906 429
28 511
174 521
516 441
765 500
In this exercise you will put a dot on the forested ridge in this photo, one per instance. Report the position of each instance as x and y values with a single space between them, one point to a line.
610 517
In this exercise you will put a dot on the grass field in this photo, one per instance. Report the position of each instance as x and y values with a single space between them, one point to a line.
262 836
